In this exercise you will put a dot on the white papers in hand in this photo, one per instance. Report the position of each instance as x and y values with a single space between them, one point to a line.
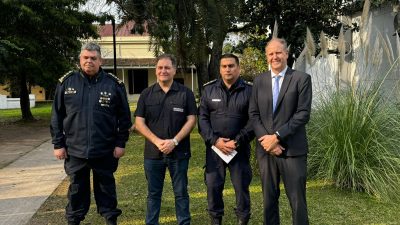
226 158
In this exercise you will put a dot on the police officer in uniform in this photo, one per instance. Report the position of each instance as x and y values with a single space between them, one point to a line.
89 127
224 123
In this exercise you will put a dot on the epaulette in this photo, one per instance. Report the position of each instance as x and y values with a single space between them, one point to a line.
65 76
209 82
119 81
248 83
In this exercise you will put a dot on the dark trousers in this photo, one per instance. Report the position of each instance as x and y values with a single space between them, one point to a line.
155 170
104 188
293 171
241 175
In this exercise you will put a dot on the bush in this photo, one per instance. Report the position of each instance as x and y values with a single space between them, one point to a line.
354 140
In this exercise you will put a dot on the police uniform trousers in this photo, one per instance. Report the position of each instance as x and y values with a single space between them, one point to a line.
79 193
241 175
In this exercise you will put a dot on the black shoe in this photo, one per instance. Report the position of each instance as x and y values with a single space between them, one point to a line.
111 221
216 220
243 222
73 223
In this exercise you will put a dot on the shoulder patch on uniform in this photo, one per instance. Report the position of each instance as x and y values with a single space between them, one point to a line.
65 76
119 81
209 82
248 83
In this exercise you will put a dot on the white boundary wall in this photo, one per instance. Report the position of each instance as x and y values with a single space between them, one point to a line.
13 103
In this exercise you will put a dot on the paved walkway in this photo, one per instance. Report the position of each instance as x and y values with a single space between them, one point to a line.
29 174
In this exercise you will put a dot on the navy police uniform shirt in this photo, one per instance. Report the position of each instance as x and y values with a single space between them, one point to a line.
165 114
90 117
224 113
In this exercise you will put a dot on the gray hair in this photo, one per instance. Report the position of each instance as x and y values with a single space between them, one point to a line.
91 46
167 56
280 40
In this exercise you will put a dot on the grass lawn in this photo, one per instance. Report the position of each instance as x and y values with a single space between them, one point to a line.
326 204
41 111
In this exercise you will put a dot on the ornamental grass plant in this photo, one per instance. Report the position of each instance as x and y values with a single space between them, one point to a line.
354 141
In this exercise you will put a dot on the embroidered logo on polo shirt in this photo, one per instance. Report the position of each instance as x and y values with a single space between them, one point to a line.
175 109
216 99
105 98
69 91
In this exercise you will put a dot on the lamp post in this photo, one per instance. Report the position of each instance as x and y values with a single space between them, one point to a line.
114 46
106 17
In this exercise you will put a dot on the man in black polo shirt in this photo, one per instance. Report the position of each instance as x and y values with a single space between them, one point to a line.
165 116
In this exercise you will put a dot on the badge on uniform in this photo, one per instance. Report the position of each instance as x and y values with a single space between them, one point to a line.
216 100
69 91
175 109
105 98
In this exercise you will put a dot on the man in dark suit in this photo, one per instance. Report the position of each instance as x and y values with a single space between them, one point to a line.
279 110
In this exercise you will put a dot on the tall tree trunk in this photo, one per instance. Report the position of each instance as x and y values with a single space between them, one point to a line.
202 75
24 99
216 53
214 64
218 29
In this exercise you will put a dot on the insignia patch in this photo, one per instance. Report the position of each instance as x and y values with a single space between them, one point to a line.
249 83
215 100
119 81
69 91
210 82
105 98
65 76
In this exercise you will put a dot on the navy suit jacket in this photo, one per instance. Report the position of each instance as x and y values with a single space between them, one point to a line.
292 110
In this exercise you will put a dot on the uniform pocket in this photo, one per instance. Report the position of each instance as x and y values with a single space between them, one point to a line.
152 110
72 102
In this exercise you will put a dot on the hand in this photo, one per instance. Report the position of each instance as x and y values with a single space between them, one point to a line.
278 150
159 143
268 142
225 145
60 153
118 152
231 144
167 146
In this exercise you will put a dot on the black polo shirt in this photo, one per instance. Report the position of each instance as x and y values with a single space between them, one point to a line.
165 114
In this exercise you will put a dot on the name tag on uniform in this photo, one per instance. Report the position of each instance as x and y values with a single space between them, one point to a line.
175 109
216 99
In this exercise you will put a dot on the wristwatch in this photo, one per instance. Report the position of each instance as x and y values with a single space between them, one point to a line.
278 136
175 141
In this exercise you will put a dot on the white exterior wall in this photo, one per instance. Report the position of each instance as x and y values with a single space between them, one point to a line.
356 68
14 103
382 27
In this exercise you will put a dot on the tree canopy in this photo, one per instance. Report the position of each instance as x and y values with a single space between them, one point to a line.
193 30
252 63
292 18
40 42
